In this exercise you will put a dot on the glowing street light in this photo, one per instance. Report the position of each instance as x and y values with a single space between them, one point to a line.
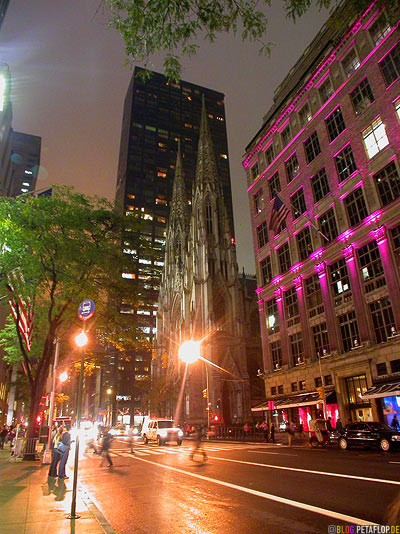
81 339
63 376
109 391
189 351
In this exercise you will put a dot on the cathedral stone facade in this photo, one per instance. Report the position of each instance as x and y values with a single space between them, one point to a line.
202 297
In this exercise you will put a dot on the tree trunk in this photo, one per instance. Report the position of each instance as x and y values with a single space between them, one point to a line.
36 393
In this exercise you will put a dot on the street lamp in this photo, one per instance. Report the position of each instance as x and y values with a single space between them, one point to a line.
109 407
81 341
63 376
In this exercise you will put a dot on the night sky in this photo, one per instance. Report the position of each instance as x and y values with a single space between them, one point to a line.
69 81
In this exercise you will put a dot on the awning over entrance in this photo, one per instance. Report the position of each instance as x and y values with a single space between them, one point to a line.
383 390
306 399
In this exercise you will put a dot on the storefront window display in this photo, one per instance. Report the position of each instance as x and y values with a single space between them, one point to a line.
391 407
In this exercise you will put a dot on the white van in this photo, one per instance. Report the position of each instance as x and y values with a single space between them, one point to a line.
161 430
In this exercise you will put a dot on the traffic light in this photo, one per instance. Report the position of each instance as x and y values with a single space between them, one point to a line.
321 392
218 404
216 418
204 393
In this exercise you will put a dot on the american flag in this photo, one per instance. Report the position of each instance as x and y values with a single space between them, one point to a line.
21 308
279 213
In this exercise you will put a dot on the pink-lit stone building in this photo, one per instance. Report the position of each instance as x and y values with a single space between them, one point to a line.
327 155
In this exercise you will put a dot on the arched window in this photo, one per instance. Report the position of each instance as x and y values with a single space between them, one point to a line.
209 222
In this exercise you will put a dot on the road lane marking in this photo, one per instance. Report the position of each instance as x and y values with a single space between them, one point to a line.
310 471
268 496
278 453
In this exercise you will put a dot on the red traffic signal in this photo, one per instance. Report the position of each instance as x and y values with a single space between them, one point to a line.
216 418
38 419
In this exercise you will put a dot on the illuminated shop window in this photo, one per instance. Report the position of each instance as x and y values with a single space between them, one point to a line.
375 138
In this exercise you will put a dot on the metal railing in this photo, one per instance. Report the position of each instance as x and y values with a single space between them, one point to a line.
236 433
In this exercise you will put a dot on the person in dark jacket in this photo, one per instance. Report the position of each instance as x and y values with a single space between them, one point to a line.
105 447
64 448
3 435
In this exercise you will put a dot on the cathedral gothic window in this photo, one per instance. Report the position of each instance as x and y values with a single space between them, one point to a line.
209 224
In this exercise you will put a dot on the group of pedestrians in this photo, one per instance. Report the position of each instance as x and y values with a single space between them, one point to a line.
267 431
7 434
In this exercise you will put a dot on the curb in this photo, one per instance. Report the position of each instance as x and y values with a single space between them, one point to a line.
96 513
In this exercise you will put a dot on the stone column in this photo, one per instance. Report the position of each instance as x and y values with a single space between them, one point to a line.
330 317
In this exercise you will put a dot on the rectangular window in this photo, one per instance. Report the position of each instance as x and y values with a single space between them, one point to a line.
395 234
272 317
284 258
362 97
314 296
291 307
327 225
318 382
274 185
381 369
349 330
326 90
345 163
305 115
320 185
328 380
371 267
335 124
395 366
388 184
273 390
280 390
258 200
312 147
397 108
390 65
356 386
321 340
298 203
294 387
375 138
255 171
296 349
350 63
276 353
266 270
286 136
269 154
382 319
379 29
292 167
262 234
304 243
356 207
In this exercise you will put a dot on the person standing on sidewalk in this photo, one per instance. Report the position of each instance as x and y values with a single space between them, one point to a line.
3 435
272 432
105 448
64 449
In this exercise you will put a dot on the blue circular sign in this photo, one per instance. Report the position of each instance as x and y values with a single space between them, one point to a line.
86 309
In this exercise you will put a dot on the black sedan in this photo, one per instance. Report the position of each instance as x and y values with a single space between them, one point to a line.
369 434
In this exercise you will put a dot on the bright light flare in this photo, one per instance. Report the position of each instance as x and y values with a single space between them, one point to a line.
81 339
189 351
63 376
2 92
109 391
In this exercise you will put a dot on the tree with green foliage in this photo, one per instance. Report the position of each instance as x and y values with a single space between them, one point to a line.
64 249
174 28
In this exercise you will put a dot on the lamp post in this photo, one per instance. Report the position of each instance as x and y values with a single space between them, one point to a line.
81 340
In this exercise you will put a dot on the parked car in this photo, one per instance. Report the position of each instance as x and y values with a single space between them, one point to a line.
369 434
161 430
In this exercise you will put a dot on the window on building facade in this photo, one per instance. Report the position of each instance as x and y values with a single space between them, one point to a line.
375 138
305 114
362 97
269 154
258 201
390 65
356 386
294 387
327 225
273 390
326 90
298 202
280 390
349 330
379 29
262 234
382 319
296 349
318 382
281 227
320 185
321 340
395 235
274 185
276 353
335 124
272 317
397 108
395 366
304 243
255 170
339 280
328 380
350 63
284 258
266 270
371 267
291 307
388 184
313 296
356 207
345 163
292 167
302 385
286 135
381 369
312 147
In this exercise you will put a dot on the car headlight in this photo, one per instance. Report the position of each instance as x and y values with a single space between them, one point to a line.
396 438
180 433
163 432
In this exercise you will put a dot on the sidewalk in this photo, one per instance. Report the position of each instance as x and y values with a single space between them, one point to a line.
30 503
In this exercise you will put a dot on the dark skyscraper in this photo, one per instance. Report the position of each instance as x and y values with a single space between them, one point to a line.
25 159
3 9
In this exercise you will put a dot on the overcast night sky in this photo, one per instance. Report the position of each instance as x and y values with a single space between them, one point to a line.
69 81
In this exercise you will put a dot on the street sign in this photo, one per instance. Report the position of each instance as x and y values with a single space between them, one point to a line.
86 310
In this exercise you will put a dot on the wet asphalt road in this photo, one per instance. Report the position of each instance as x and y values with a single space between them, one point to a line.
241 489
